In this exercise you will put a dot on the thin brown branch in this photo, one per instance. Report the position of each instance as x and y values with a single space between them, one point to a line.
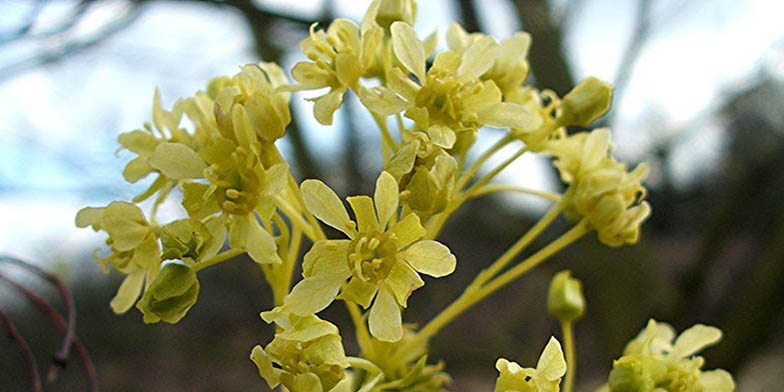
72 47
24 349
468 16
50 312
61 356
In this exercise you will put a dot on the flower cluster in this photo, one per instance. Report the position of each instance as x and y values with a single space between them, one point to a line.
653 362
238 195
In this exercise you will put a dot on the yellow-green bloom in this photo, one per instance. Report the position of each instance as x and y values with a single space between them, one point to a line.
510 68
565 299
449 98
340 56
657 361
545 378
602 190
380 260
134 247
170 295
535 138
192 240
248 104
425 174
587 101
382 13
306 355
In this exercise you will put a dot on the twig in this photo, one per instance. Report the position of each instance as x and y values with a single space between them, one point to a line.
61 356
49 311
24 349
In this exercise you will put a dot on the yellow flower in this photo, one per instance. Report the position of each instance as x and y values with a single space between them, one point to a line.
535 138
510 68
602 190
306 354
380 260
545 378
565 300
425 173
134 247
654 362
449 98
340 56
170 295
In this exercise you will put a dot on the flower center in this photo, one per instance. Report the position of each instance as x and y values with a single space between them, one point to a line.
440 97
372 256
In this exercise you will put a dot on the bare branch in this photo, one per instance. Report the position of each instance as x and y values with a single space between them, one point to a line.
73 47
61 356
49 311
24 349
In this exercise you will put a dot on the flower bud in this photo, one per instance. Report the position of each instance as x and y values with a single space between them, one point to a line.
630 374
390 11
565 300
586 102
173 291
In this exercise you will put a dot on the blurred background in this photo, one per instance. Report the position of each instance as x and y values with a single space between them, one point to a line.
698 95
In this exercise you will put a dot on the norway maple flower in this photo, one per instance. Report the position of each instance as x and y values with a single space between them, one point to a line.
546 377
602 189
380 260
339 57
449 99
306 355
134 247
425 174
510 67
657 361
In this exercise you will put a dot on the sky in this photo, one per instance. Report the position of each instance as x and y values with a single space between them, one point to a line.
59 123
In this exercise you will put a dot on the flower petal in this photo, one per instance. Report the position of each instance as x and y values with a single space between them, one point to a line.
479 57
385 320
359 291
129 292
442 135
313 294
264 364
430 257
407 230
325 204
386 197
326 105
382 100
403 280
246 233
551 365
326 257
408 49
509 115
178 161
695 339
365 213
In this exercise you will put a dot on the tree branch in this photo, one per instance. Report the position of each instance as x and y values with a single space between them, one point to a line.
24 349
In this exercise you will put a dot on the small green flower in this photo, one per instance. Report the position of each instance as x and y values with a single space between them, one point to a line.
170 295
425 174
380 261
340 56
448 99
602 190
306 354
191 240
134 247
565 301
510 68
587 101
545 378
658 361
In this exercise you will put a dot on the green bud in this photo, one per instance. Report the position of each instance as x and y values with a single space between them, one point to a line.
586 102
171 294
630 374
390 11
565 301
